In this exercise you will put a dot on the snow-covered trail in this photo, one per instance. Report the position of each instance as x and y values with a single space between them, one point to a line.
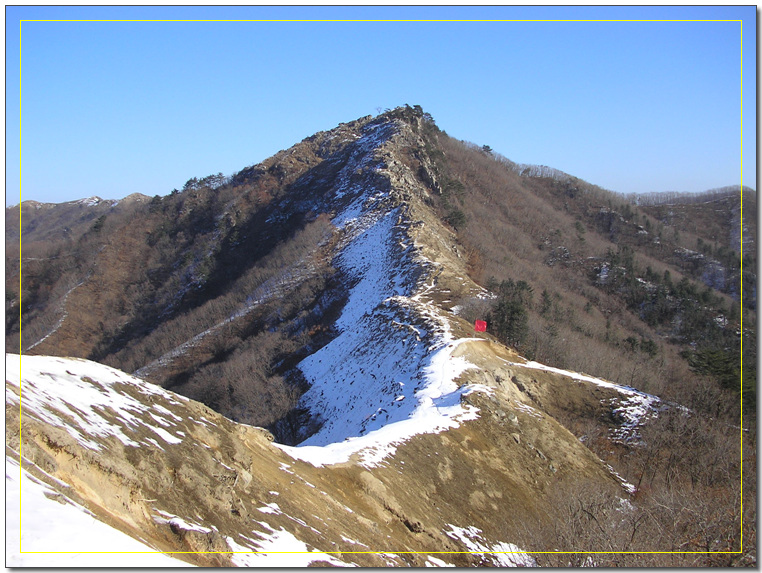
64 315
271 289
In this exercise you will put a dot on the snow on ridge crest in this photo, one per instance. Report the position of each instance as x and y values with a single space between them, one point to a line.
390 373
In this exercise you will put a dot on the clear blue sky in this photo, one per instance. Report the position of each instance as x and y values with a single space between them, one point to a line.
113 108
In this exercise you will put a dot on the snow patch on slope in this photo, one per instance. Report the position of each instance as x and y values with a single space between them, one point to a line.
44 528
88 400
96 404
179 522
390 374
503 554
432 561
278 549
377 387
633 409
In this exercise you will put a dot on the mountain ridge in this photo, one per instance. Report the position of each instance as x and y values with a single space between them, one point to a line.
181 270
328 294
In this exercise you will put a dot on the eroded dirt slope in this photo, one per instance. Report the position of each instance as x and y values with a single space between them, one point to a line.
173 473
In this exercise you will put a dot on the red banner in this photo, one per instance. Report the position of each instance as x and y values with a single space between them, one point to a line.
480 326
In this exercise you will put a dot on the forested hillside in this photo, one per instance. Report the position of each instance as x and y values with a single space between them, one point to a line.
587 280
